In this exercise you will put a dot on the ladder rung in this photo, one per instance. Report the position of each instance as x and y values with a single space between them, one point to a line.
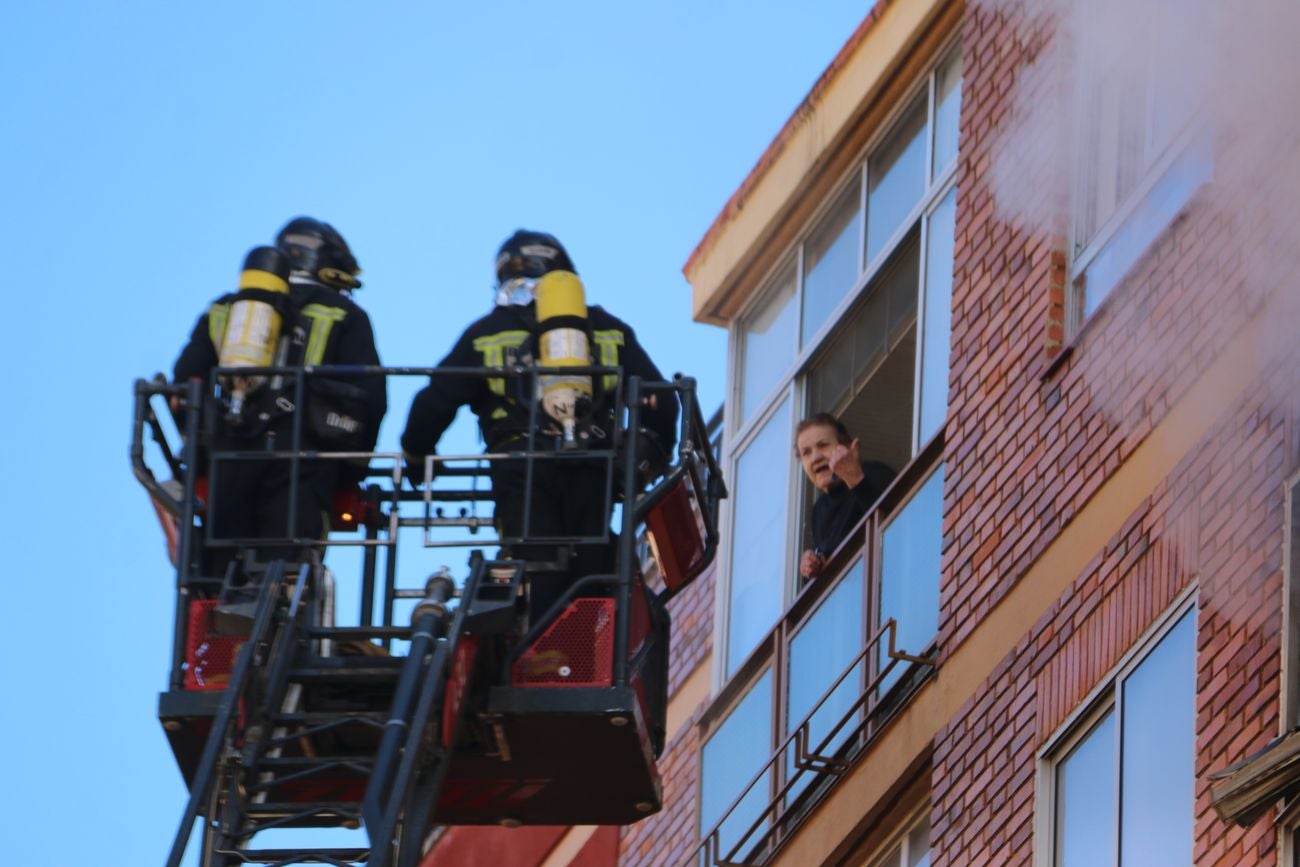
340 675
297 856
359 632
341 718
312 761
341 809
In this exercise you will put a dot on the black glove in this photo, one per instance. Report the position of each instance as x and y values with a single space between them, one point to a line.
651 458
414 471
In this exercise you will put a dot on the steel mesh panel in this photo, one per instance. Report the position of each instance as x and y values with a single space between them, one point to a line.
577 649
209 658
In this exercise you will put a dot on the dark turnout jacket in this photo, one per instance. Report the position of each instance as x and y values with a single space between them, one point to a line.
507 336
325 327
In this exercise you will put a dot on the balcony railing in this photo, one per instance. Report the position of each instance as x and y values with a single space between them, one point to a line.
894 554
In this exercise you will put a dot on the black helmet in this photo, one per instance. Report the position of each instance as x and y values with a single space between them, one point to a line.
317 248
523 258
531 254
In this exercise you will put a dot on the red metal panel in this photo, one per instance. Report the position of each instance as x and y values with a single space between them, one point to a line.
457 683
577 649
601 850
209 658
675 529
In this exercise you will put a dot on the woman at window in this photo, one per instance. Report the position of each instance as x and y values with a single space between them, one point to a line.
847 484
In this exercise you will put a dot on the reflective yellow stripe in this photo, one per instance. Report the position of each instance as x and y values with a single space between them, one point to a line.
493 347
608 341
322 320
217 315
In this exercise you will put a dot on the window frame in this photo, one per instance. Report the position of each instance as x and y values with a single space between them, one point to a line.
902 838
1290 606
717 715
1287 826
1106 697
861 550
792 383
1081 256
723 588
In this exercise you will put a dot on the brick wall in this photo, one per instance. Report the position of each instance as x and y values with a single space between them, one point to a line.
667 837
1217 520
1036 428
692 625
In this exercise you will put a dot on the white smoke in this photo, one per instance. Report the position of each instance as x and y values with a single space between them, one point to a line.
1235 65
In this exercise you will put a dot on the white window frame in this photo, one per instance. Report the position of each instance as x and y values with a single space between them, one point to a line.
722 587
1288 829
1105 697
903 839
1082 256
1290 675
741 431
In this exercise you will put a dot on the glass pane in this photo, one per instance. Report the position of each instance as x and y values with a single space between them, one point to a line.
909 571
867 373
1156 803
918 845
947 111
896 178
758 561
731 758
1193 168
830 260
1112 153
1085 800
1293 502
819 653
937 333
769 343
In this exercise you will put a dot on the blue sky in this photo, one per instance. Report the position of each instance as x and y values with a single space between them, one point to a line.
148 145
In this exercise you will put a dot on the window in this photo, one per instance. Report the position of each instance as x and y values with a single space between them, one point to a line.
854 321
936 322
758 538
832 260
729 761
1134 169
823 675
865 373
896 174
1122 784
768 341
1291 609
913 850
909 571
824 645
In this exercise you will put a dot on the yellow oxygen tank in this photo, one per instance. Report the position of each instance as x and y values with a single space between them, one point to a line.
562 339
253 323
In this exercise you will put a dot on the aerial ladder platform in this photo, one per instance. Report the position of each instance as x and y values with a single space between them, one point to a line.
456 702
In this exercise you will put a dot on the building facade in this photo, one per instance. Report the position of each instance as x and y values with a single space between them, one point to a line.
1041 262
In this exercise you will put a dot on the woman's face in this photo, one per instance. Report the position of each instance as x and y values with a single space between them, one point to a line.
814 446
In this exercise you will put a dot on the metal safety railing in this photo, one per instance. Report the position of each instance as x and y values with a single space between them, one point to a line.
386 502
403 767
815 766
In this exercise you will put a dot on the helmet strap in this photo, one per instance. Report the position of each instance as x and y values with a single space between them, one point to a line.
336 278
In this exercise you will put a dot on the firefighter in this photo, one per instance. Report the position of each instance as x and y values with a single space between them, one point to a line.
569 496
316 323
